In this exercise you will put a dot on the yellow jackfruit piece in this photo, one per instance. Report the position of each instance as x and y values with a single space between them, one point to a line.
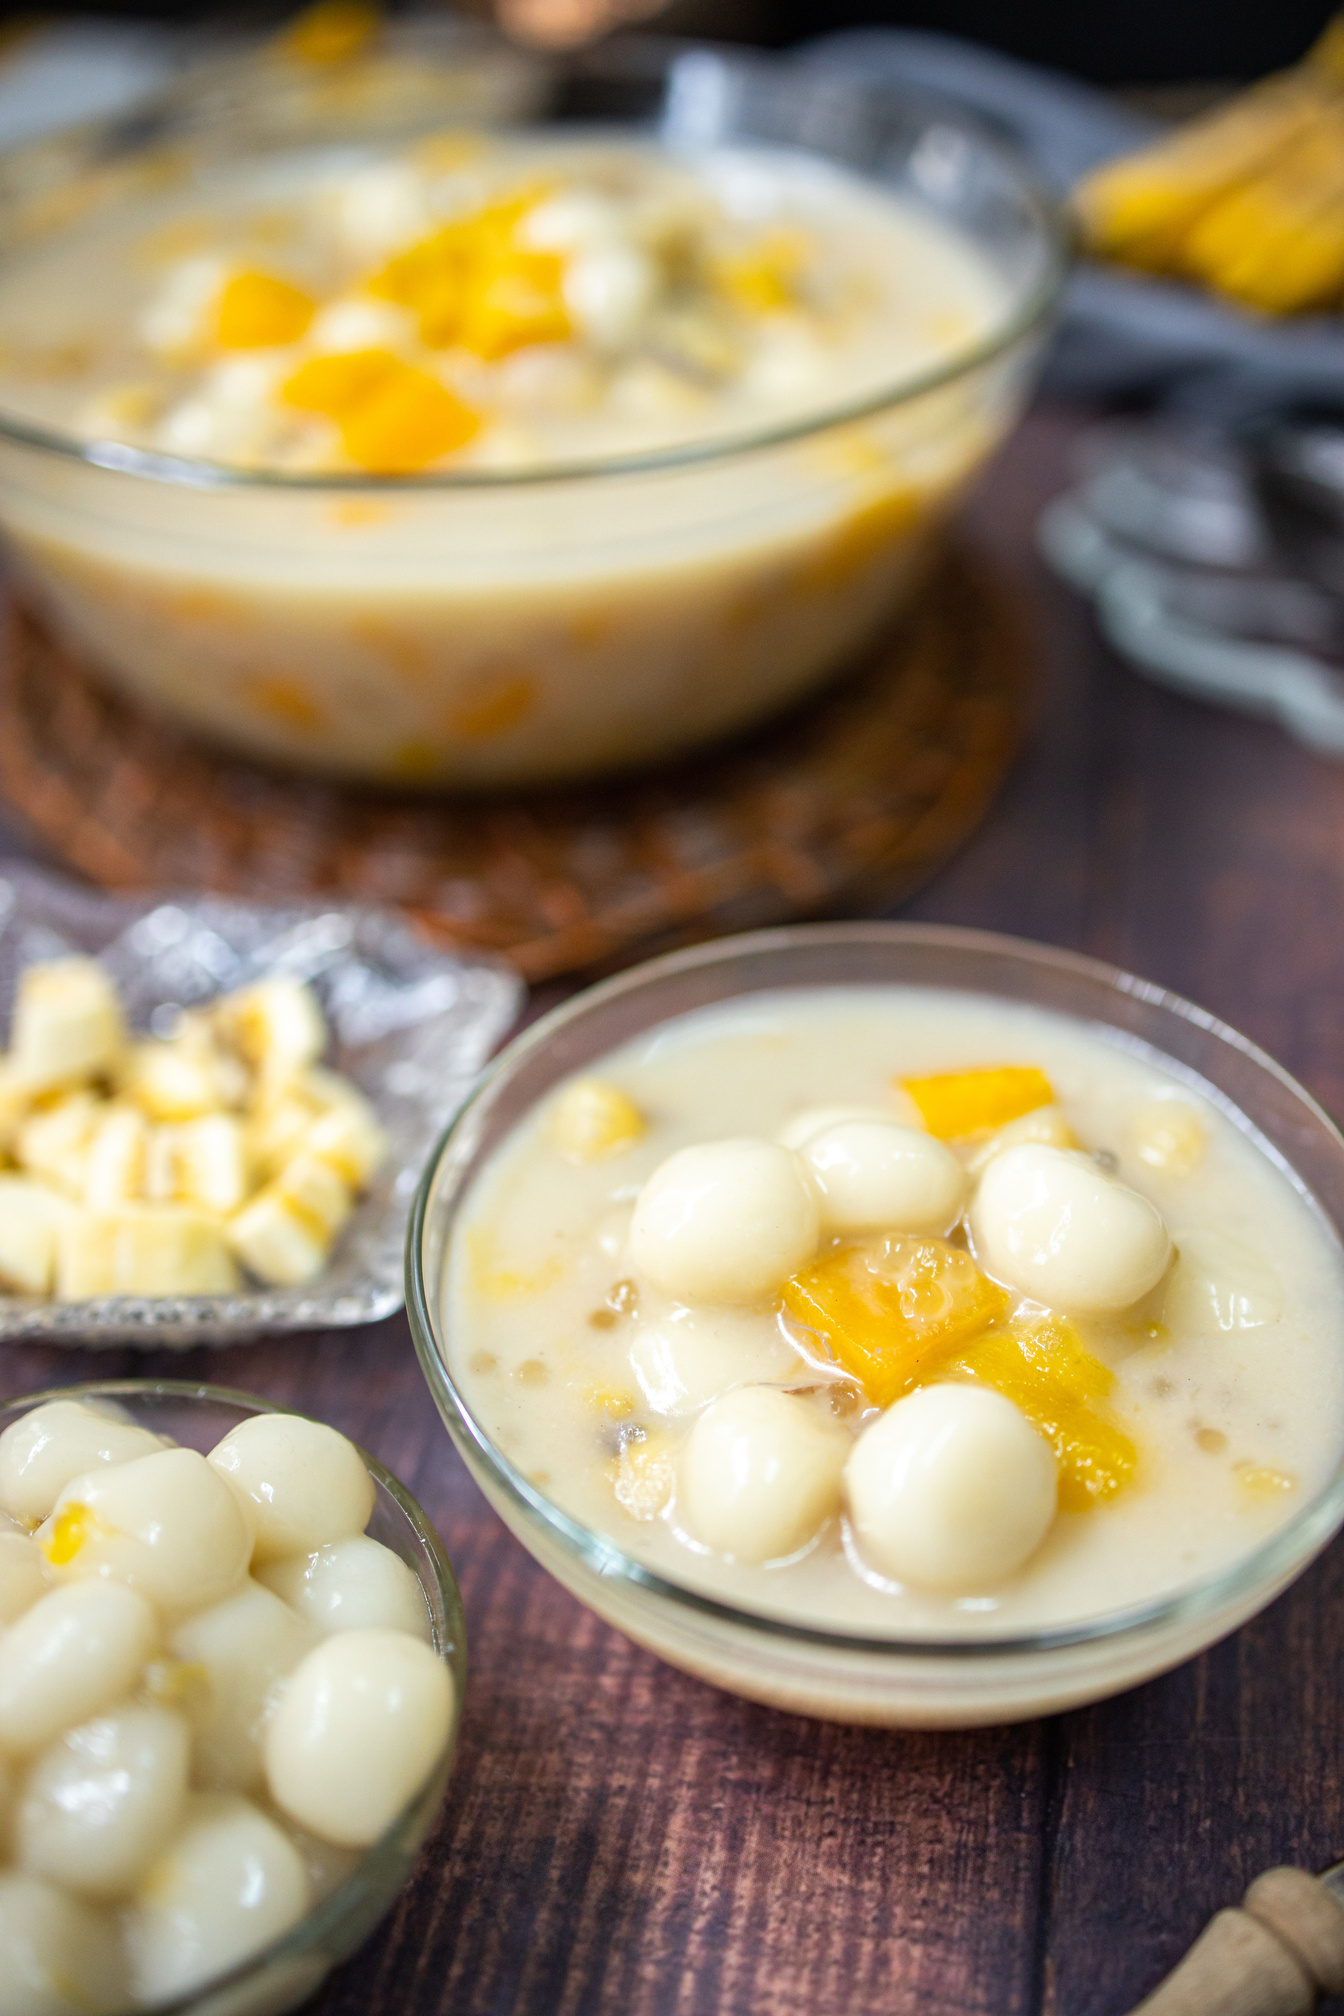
1277 241
331 31
407 421
891 1307
963 1102
1042 1366
337 383
1139 207
257 311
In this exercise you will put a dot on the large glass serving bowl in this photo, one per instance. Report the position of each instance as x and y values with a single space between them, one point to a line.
907 1682
286 1973
512 626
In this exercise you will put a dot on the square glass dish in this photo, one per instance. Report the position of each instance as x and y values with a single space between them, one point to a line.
411 1026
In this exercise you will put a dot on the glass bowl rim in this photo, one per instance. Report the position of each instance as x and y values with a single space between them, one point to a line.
1053 235
329 1912
1295 1542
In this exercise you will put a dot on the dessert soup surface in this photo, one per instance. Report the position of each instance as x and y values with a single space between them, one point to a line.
1192 1400
509 307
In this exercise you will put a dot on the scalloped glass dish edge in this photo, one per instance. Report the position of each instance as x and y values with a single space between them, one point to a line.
411 1025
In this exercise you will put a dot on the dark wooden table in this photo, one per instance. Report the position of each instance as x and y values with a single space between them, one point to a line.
622 1841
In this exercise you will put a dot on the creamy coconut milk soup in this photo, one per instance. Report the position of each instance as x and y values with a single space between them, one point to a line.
471 304
467 308
899 1311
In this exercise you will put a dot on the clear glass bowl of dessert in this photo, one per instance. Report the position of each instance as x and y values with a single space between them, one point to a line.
222 1899
445 416
758 1286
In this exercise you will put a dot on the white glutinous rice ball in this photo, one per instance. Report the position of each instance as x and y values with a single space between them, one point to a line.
42 1451
23 1575
689 1359
759 1474
725 1222
804 1126
1052 1225
874 1176
308 1485
229 1884
952 1488
167 1524
58 1957
240 1650
103 1800
69 1657
352 1585
357 1730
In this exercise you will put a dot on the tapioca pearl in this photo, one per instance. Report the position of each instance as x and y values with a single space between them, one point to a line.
58 1956
804 1126
686 1361
23 1575
236 1654
308 1484
352 1585
71 1655
760 1474
1219 1284
102 1801
356 1733
952 1488
167 1524
42 1451
228 1885
874 1176
1051 1225
725 1222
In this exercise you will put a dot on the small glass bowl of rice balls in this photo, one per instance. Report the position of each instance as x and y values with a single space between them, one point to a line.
232 1659
894 1324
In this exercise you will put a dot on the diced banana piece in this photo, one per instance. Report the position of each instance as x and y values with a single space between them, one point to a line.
31 1220
350 1139
118 1149
16 1099
197 1037
590 1120
143 1249
276 1243
171 1081
67 1023
161 1165
285 1233
210 1162
276 1025
312 1188
276 1130
54 1141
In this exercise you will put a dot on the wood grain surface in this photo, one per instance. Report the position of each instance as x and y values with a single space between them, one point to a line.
622 1841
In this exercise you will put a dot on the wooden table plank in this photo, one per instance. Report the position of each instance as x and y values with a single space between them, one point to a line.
1205 851
619 1838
